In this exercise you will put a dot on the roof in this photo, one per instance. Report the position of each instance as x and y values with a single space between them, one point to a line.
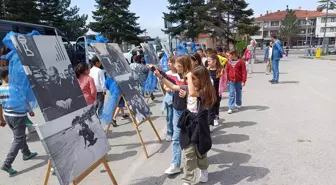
300 14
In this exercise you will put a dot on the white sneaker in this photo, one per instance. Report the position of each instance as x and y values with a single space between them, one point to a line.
238 106
216 122
203 176
172 170
211 128
230 111
168 138
186 183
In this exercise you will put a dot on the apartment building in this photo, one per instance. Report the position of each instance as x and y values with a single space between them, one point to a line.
314 21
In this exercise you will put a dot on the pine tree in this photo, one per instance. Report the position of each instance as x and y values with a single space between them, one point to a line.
115 21
59 14
289 27
2 9
189 16
229 17
18 10
323 5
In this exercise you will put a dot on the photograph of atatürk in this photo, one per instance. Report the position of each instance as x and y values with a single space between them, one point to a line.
51 75
74 142
134 99
150 52
166 49
113 61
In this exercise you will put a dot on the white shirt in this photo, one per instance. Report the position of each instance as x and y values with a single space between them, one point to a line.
99 78
270 50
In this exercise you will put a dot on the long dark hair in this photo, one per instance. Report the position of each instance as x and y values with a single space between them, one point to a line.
81 68
219 67
196 58
206 88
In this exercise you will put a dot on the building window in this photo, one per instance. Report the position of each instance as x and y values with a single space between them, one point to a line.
275 23
322 29
332 30
258 33
332 20
274 32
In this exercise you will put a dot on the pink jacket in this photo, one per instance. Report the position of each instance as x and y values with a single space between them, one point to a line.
222 83
88 87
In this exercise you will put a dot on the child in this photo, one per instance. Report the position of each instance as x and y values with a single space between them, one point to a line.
120 108
16 120
216 71
194 155
236 71
182 66
168 99
98 76
86 83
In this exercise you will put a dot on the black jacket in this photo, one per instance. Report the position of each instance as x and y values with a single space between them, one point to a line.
195 129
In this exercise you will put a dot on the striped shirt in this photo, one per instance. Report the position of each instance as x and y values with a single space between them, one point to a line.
4 99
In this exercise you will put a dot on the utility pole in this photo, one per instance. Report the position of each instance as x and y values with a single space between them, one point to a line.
306 35
325 40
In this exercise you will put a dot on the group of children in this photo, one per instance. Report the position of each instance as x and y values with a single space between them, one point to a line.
194 86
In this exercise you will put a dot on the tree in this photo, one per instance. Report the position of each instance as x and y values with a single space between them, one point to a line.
158 43
18 10
230 17
323 5
290 27
189 16
59 14
115 21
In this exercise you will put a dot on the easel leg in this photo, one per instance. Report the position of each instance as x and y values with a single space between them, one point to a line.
108 169
156 133
141 141
47 175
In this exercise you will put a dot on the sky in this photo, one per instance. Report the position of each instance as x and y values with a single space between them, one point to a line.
151 11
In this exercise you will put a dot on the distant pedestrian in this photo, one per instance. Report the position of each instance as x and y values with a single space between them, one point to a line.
268 58
86 83
98 76
287 51
277 51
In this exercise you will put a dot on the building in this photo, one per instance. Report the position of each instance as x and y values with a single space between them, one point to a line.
270 23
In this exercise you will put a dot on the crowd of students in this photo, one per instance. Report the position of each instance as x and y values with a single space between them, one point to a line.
194 86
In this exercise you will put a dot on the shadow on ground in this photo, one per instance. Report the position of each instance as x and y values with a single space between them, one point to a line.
289 82
122 156
244 108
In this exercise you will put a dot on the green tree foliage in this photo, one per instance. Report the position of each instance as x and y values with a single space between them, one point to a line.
18 10
290 27
231 16
323 5
60 14
190 17
115 21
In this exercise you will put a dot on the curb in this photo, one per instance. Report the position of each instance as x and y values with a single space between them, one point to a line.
332 59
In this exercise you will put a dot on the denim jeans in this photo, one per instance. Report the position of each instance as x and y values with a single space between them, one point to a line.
99 104
176 158
170 126
18 126
275 69
235 95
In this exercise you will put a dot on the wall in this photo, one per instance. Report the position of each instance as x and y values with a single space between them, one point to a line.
331 27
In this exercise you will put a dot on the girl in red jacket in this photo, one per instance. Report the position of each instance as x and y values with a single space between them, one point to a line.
236 71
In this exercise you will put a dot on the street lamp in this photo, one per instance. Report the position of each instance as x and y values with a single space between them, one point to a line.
325 39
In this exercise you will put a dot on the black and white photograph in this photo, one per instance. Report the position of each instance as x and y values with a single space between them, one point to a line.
149 50
74 142
116 46
51 75
114 66
137 103
166 48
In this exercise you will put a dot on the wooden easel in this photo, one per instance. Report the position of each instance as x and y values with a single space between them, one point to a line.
137 125
86 173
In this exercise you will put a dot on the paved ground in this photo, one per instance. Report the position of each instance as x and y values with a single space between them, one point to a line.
284 135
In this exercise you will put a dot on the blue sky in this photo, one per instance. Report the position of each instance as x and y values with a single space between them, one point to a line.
150 11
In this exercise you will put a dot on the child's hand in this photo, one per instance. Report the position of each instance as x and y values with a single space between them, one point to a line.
32 114
157 73
182 93
243 84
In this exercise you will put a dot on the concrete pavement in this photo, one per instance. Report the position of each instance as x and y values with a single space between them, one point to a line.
283 135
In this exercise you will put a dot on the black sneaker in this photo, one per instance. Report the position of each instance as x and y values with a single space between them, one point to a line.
114 123
271 81
152 97
274 82
125 116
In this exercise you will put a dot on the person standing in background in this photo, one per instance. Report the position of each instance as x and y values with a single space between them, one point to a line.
98 76
268 58
277 51
86 83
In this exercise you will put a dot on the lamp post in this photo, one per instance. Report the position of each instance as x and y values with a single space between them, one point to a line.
307 24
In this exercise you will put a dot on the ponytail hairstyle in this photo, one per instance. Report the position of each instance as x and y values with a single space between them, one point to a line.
196 59
81 68
207 90
219 67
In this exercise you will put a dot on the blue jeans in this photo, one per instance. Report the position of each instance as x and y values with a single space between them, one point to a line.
235 95
275 69
170 125
176 158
